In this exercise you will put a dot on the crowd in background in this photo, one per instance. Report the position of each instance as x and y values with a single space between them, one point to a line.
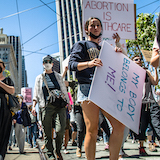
75 118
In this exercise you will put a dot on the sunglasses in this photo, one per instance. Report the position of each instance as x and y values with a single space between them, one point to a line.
137 59
47 61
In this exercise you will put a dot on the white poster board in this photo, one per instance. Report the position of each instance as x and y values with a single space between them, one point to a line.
117 87
116 16
112 42
65 63
26 92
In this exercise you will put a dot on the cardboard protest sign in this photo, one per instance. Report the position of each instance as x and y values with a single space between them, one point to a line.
117 87
65 63
147 55
116 16
27 95
112 42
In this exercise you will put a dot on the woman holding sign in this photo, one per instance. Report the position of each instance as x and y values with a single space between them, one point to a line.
83 60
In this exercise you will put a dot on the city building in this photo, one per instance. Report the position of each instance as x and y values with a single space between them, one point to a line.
10 53
24 73
69 21
56 62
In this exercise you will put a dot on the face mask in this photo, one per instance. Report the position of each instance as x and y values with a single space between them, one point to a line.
47 66
93 36
0 69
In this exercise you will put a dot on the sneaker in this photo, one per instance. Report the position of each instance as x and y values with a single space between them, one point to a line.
78 152
31 146
156 145
22 152
133 141
106 147
35 146
10 148
66 151
124 154
152 148
50 156
59 156
74 144
121 158
142 152
97 144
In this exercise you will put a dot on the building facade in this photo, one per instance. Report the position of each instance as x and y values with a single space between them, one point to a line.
10 53
69 21
24 73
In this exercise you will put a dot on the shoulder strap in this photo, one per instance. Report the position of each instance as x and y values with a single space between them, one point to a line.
45 82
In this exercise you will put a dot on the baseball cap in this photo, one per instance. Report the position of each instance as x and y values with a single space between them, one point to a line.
48 58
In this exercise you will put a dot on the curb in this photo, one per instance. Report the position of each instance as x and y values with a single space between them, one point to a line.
41 154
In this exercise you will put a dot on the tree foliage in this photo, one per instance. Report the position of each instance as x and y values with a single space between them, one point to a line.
146 31
7 73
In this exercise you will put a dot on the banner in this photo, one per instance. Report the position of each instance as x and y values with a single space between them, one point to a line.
116 16
27 95
117 87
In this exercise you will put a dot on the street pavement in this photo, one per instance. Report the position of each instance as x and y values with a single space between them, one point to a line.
130 149
31 153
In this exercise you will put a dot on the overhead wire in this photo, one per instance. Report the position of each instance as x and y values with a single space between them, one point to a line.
155 9
25 11
147 4
46 4
19 23
47 27
47 47
39 33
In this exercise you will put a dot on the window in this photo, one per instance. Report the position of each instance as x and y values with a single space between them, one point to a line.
5 57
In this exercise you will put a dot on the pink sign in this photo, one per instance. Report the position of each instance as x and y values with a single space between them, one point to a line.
27 95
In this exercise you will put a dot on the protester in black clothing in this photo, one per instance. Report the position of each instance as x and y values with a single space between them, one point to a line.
150 112
6 86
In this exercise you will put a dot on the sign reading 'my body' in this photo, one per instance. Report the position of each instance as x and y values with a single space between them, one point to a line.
117 87
116 16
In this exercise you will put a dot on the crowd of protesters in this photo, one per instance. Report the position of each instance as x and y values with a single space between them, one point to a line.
79 120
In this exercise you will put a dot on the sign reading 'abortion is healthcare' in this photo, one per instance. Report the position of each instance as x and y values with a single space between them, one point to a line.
117 87
116 16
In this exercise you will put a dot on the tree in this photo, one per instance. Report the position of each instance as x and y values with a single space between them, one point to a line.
146 31
7 73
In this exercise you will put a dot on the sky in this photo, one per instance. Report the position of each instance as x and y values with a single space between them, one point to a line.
36 24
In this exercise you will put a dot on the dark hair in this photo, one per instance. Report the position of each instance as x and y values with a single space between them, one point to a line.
158 31
87 22
2 63
134 57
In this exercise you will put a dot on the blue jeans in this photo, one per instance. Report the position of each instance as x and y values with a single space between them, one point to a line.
32 130
83 91
12 137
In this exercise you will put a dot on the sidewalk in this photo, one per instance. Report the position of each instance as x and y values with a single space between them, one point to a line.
129 148
31 153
